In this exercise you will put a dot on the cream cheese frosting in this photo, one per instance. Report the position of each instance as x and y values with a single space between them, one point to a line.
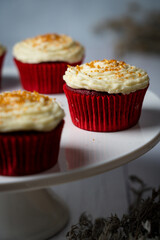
22 111
2 49
109 76
48 48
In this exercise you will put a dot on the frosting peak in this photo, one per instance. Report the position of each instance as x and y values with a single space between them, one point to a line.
48 47
49 40
22 110
110 76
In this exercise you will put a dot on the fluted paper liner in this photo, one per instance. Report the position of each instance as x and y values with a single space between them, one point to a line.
1 64
43 77
103 112
24 153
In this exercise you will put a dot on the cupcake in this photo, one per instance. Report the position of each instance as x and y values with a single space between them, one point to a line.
30 132
105 96
2 55
42 61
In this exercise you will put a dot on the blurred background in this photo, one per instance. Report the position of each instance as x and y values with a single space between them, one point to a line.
112 29
126 30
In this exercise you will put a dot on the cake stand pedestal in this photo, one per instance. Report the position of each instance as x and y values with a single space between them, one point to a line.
31 215
29 212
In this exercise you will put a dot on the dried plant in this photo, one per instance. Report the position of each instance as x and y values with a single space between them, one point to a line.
134 35
141 223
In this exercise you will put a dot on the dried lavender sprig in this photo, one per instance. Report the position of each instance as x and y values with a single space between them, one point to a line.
142 222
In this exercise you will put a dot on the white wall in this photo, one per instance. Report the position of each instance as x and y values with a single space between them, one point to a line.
20 19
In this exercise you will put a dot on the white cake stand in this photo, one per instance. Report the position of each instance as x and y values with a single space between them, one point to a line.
29 211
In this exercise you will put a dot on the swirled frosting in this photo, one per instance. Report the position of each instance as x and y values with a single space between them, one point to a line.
48 48
22 111
106 76
2 49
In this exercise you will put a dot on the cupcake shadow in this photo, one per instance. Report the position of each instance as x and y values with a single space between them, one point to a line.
77 157
9 83
150 117
71 159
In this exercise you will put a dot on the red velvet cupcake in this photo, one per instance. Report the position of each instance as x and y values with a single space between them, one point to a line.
42 61
30 132
2 55
105 96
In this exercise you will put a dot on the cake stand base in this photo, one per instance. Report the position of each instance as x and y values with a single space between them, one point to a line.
31 215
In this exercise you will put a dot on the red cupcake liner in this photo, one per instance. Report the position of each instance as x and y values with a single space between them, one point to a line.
43 77
103 112
24 153
1 64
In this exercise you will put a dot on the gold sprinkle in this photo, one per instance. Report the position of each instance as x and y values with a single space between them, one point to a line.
8 100
78 67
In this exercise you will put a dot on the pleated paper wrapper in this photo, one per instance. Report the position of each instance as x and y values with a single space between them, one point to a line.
103 112
43 77
29 152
